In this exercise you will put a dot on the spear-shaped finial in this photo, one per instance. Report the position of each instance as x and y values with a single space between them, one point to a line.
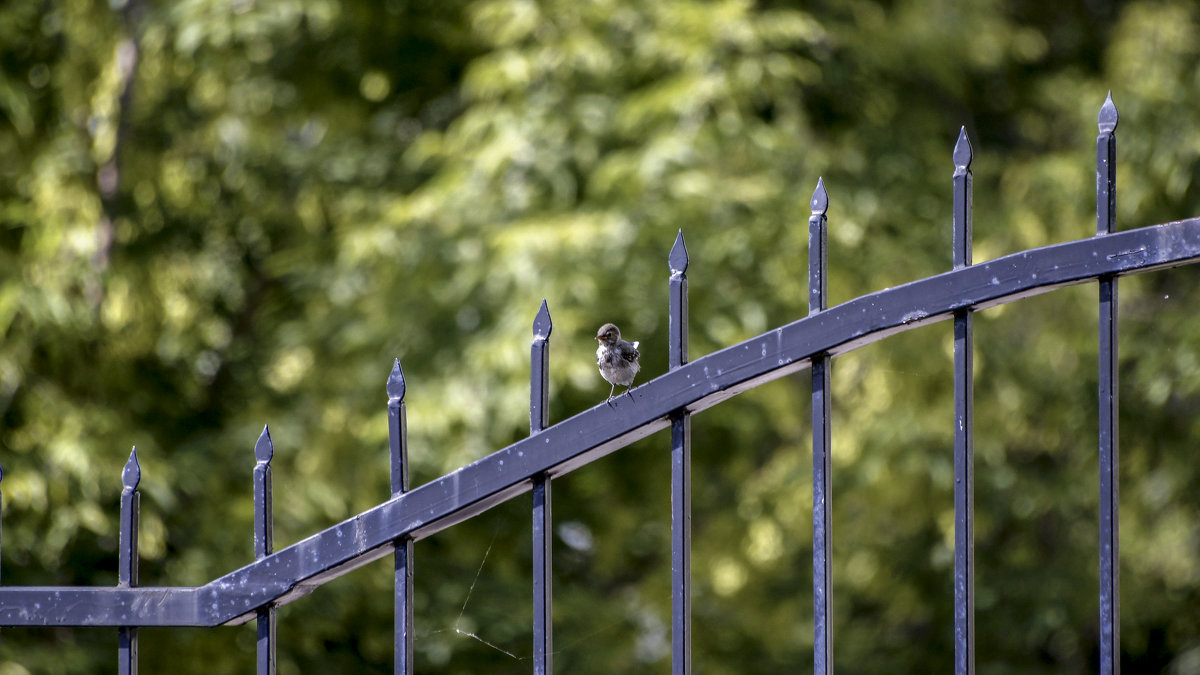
264 450
395 383
679 255
132 474
1108 115
820 199
542 325
963 153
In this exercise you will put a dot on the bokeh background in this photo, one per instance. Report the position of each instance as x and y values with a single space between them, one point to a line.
220 214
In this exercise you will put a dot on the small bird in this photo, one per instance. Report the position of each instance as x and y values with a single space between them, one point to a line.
618 359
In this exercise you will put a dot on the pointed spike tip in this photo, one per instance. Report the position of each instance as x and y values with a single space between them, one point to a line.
264 449
395 383
820 199
679 255
1108 115
963 152
132 475
542 325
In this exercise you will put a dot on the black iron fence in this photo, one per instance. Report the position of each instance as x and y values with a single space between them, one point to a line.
276 578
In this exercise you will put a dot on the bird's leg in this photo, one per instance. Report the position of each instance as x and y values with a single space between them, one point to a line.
628 387
611 390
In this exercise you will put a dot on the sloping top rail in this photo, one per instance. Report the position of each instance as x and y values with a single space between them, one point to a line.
298 569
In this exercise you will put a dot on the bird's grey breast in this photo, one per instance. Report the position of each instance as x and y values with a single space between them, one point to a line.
618 364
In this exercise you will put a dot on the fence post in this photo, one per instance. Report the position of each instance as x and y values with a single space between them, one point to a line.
543 521
127 563
822 446
1110 583
964 417
264 544
681 469
398 444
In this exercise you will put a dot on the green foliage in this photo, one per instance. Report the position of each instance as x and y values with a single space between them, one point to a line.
217 215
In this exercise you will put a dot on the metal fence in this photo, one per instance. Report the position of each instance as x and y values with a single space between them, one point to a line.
276 578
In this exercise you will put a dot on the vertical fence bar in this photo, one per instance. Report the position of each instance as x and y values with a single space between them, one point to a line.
964 418
398 444
543 521
822 444
1110 586
127 563
681 469
264 544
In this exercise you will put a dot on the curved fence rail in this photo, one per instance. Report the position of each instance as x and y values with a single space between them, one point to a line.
278 577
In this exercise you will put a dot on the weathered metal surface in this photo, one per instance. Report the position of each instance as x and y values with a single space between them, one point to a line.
543 520
297 569
1106 212
822 443
964 421
681 467
264 544
127 560
403 559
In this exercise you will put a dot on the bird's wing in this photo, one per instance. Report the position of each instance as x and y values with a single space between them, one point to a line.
633 350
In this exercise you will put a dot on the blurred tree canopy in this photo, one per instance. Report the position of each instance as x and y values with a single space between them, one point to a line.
219 215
